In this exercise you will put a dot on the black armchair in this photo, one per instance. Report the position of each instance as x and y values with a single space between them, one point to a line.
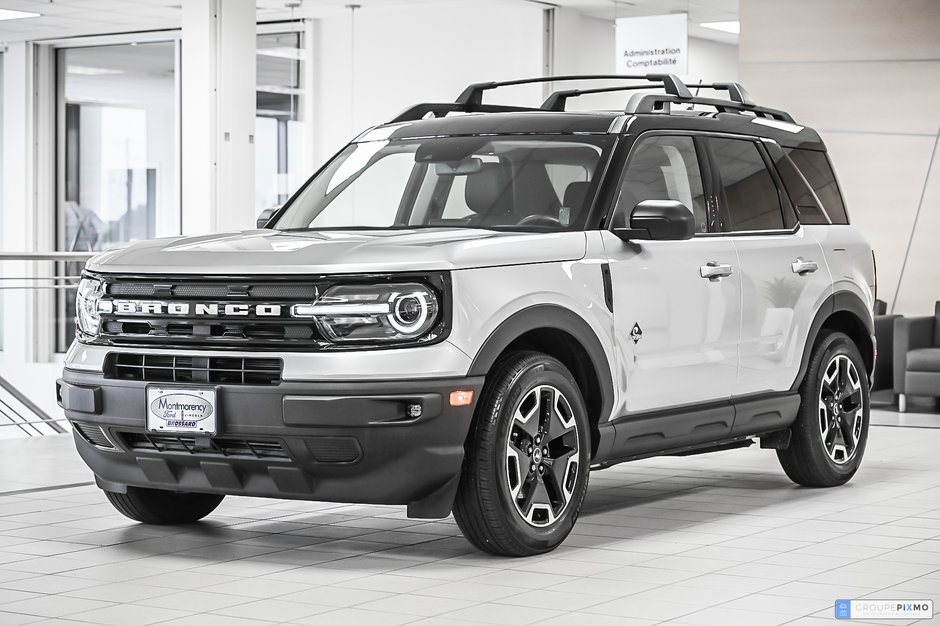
917 357
884 336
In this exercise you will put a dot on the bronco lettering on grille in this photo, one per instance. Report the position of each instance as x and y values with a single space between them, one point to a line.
139 307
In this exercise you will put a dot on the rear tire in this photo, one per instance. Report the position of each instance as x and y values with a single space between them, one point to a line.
831 428
527 458
156 506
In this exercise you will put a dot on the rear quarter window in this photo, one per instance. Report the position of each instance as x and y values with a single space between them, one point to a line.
811 184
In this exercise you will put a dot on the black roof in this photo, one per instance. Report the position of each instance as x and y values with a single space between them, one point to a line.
738 114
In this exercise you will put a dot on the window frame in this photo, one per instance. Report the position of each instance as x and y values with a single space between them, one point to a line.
787 212
704 169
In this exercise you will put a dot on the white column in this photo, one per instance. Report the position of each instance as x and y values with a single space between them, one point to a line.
218 115
18 197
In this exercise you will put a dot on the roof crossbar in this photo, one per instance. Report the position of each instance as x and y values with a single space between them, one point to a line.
558 100
659 103
472 96
735 91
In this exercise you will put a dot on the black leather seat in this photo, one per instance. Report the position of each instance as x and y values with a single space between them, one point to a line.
917 357
488 193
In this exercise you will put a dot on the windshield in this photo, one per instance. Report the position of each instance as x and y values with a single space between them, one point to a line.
515 182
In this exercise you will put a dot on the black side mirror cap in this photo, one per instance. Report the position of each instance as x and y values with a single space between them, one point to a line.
266 216
658 220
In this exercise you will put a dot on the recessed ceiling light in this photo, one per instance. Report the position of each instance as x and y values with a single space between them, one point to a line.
91 71
727 27
10 14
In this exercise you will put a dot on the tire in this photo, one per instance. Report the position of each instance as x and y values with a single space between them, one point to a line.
503 505
156 506
831 429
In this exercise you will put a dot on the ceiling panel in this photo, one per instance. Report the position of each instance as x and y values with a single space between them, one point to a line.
67 18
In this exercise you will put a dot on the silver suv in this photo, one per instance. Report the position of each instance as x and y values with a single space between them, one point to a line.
469 308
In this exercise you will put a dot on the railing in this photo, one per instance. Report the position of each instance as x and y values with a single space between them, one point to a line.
48 281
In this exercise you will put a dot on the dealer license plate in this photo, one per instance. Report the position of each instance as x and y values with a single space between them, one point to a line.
181 410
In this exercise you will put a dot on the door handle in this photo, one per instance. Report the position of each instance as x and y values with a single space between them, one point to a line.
803 267
715 271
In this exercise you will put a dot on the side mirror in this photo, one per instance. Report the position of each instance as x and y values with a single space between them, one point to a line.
266 216
658 220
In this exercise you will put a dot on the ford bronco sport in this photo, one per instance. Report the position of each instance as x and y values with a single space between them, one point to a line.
470 307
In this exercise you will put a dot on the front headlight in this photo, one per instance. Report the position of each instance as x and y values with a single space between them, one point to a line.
86 306
397 312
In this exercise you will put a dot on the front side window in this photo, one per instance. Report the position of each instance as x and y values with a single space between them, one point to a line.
747 196
529 182
664 168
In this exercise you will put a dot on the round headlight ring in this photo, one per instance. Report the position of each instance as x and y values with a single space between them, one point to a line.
409 311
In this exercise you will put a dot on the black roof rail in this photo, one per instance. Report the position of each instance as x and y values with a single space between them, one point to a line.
471 99
659 103
440 109
472 96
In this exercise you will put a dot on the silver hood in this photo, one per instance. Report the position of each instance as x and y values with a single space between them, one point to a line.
339 252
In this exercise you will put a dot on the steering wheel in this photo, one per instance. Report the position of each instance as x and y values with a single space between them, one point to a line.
539 220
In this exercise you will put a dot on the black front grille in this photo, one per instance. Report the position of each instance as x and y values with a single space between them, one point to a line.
172 368
157 442
249 329
93 434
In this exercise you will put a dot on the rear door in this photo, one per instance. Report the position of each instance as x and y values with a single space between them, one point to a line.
677 330
784 277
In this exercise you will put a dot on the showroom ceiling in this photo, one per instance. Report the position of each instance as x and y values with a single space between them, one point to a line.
69 18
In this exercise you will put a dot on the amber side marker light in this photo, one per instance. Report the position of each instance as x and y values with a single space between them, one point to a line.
461 398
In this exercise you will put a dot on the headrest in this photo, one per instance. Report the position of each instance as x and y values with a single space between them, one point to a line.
486 190
574 195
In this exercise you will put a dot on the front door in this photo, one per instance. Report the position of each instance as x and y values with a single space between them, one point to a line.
676 304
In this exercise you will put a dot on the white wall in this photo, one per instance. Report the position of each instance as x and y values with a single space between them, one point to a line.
405 55
585 45
866 75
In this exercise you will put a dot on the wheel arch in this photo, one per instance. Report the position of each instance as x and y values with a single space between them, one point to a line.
845 312
564 335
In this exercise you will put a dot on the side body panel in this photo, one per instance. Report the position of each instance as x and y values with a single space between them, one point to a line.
778 306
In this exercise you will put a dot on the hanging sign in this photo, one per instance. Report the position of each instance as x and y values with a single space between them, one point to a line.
657 44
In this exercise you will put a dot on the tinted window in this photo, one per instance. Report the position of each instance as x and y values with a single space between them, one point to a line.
664 168
817 172
748 196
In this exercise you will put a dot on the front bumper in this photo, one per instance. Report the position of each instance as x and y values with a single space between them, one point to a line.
330 441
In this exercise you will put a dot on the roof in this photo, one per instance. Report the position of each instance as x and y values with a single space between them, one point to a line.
469 115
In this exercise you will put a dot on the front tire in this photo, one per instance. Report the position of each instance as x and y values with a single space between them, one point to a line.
831 428
156 506
527 458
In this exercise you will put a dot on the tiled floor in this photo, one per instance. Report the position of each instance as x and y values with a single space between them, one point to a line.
721 539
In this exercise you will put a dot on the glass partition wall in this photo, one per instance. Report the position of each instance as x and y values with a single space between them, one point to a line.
279 122
118 143
119 180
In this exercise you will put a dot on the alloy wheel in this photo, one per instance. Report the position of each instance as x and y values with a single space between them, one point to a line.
840 409
542 456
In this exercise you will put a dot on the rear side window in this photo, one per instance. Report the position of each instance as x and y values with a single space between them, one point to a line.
748 197
821 202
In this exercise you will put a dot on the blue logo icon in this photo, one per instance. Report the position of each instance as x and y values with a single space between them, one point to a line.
843 609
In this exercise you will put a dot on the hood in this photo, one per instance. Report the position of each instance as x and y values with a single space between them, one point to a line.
339 252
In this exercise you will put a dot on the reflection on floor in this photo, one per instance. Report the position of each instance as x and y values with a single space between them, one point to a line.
719 539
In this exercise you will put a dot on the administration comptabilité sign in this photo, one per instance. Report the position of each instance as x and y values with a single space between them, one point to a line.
653 45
